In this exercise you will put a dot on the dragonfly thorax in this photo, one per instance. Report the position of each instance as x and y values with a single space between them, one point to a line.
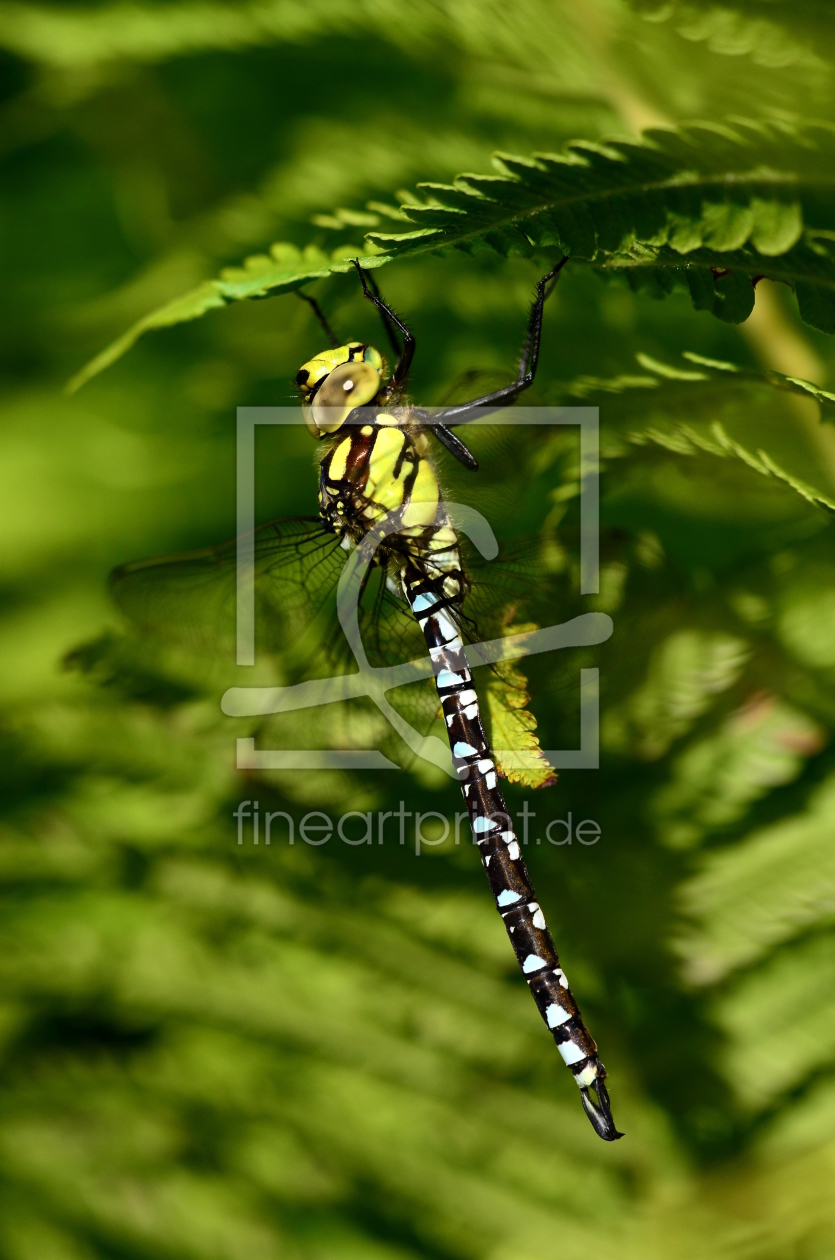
373 470
378 473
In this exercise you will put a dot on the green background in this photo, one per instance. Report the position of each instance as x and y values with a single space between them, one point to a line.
220 1051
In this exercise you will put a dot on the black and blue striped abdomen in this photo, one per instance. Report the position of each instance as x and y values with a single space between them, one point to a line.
379 473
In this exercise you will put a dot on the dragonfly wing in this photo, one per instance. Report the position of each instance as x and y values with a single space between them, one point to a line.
192 597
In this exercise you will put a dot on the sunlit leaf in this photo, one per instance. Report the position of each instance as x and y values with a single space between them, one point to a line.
710 207
513 729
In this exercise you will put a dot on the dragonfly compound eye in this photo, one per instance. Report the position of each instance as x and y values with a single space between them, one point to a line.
348 386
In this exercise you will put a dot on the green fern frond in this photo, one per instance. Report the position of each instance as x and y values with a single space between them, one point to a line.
686 674
717 442
709 376
710 208
775 36
647 412
283 270
749 898
766 1056
716 778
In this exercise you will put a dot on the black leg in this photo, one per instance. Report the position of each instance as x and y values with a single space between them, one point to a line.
463 412
394 341
332 337
455 446
405 360
446 437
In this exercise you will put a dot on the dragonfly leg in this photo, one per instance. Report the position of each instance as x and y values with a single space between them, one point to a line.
455 446
391 321
394 340
317 311
464 412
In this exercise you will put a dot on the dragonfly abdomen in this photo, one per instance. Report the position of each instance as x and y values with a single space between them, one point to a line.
376 483
498 844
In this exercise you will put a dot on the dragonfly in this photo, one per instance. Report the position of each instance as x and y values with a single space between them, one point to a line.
420 590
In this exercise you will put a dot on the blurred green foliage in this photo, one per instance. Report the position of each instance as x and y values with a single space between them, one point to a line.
214 1051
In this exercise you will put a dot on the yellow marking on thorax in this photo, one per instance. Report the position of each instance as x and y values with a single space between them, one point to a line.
339 460
382 486
422 507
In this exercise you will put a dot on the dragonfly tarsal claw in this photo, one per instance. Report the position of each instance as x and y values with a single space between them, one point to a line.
600 1112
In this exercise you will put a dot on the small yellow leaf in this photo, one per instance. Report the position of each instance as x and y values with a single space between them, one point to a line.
515 745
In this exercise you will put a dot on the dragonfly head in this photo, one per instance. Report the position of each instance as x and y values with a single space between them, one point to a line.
336 382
